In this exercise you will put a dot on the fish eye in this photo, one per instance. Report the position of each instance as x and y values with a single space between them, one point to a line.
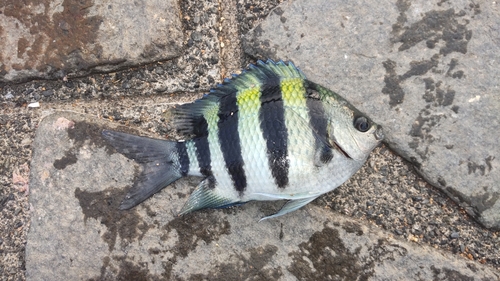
361 124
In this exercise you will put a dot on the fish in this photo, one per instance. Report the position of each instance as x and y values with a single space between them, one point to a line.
267 133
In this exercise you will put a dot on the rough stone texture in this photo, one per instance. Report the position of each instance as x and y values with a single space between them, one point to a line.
385 193
58 38
426 70
77 233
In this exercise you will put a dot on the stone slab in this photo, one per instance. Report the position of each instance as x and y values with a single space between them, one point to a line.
58 38
426 70
77 182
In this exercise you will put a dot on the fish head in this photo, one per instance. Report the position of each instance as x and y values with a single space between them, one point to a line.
352 132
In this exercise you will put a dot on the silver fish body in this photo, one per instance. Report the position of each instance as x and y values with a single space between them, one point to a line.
266 134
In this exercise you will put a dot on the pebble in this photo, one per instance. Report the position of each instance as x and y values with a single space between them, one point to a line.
455 235
159 70
26 141
8 96
126 85
214 59
196 36
417 198
47 93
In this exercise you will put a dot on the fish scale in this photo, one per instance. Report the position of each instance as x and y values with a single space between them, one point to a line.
255 159
296 110
194 166
266 134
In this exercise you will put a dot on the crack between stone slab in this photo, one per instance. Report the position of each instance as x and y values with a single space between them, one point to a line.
231 51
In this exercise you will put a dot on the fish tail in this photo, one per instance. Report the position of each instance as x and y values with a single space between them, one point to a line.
162 163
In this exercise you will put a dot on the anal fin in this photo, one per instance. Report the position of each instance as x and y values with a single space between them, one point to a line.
291 206
205 196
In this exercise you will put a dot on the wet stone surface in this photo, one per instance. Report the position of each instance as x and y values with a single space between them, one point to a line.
386 202
151 243
421 69
57 38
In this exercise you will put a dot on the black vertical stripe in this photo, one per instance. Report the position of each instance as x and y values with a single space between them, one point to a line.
183 158
229 140
203 149
318 121
274 131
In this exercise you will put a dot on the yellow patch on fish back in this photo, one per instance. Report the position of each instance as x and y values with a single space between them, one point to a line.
249 100
293 92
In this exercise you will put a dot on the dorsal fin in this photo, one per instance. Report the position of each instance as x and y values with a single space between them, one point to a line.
187 117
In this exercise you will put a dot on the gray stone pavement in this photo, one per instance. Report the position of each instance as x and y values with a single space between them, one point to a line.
395 218
57 38
427 72
77 182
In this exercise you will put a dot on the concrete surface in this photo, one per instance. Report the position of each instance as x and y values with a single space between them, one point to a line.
77 184
426 71
386 199
60 38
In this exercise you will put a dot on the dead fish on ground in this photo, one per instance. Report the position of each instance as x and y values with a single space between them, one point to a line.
266 134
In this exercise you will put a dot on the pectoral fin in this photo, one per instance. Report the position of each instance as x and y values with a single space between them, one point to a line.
291 206
205 196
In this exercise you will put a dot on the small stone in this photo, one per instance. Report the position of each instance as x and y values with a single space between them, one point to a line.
159 70
417 198
196 36
214 59
126 85
26 141
47 93
455 235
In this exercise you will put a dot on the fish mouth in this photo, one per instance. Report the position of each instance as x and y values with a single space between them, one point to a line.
379 133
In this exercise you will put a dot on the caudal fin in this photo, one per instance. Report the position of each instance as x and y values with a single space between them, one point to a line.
159 160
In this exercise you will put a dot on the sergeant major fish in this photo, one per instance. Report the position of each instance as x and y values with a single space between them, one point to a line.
266 134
